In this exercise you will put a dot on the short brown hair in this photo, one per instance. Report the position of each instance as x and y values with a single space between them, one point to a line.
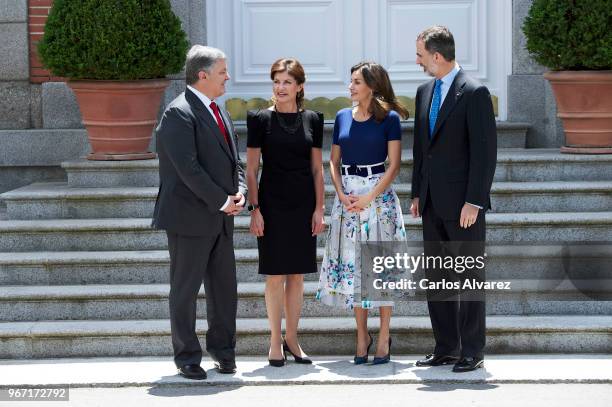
439 39
293 67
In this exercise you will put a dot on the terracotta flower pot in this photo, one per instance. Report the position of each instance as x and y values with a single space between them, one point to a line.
584 104
119 116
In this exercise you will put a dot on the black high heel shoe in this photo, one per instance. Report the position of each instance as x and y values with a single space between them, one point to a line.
360 360
278 362
298 359
385 359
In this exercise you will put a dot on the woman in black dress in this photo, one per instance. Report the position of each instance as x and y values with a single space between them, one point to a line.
287 207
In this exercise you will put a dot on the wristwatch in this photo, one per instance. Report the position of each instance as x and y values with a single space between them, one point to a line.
252 207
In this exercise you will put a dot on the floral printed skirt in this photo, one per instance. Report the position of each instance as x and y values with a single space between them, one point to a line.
340 279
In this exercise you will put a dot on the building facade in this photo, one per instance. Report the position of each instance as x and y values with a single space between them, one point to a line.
40 124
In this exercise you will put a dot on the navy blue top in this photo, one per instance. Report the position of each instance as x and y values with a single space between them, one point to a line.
365 143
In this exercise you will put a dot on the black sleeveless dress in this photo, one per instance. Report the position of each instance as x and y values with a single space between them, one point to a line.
286 189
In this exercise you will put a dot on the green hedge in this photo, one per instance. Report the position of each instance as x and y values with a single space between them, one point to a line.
570 34
113 40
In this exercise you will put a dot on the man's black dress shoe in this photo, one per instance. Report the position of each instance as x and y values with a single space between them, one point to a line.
467 364
225 366
437 360
194 372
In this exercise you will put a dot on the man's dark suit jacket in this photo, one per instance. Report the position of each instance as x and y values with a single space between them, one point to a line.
457 165
197 170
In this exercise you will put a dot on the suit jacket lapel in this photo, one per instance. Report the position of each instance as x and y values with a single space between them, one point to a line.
450 101
209 120
427 96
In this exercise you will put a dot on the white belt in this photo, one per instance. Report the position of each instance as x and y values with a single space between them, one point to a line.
369 167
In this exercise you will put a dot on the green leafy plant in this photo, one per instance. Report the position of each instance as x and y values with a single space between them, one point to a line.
570 34
113 40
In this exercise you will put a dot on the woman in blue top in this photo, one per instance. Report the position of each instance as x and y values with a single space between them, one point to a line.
366 207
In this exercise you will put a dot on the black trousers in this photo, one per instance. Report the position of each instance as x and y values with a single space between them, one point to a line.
458 322
193 260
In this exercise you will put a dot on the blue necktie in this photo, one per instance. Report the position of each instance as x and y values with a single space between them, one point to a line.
435 106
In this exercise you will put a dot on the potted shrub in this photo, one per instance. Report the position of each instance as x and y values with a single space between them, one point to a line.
116 55
573 38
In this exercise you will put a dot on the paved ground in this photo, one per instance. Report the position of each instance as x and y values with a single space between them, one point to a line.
387 395
507 380
160 371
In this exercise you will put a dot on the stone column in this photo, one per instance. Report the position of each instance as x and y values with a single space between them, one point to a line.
530 97
14 68
193 18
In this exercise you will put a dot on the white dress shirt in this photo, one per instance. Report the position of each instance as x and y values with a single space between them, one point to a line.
447 81
205 99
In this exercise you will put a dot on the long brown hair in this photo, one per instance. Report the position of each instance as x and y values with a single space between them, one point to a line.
293 67
383 97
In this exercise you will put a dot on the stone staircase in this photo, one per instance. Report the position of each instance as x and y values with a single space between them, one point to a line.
83 274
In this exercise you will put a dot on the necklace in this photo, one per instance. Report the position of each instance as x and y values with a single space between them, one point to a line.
357 113
289 129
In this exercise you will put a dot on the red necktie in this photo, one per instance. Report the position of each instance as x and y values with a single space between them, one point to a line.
215 110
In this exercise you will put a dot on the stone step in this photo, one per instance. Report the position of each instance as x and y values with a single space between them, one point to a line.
509 134
150 301
504 262
137 234
512 197
320 336
513 164
55 200
31 155
84 173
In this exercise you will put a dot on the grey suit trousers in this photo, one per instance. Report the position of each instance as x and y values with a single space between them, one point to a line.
193 260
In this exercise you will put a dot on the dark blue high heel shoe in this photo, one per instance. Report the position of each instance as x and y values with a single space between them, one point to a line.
360 360
385 359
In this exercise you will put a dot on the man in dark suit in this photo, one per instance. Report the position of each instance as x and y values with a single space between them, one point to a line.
202 187
455 151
